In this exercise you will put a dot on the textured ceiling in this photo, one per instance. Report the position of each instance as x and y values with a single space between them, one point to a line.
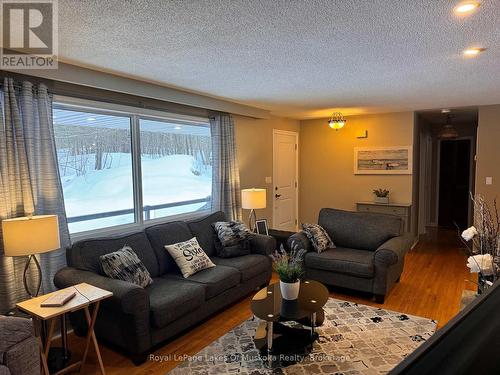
299 59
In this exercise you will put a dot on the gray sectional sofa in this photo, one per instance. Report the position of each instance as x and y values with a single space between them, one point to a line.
369 254
136 319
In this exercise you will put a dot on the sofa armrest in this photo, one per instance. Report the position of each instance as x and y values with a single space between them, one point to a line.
301 239
128 297
393 251
262 244
14 330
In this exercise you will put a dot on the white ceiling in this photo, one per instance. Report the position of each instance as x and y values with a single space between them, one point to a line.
299 59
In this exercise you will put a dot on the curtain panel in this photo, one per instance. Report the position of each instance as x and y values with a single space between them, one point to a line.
226 191
29 180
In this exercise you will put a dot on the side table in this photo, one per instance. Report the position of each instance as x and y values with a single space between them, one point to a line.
281 237
86 296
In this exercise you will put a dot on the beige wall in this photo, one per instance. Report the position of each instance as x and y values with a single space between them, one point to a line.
488 152
254 141
327 158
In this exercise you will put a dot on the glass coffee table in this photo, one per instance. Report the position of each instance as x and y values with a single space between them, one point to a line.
280 344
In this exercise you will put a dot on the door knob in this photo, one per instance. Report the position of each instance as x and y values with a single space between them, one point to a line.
277 195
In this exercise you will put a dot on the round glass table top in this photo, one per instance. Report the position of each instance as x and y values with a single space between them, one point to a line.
268 305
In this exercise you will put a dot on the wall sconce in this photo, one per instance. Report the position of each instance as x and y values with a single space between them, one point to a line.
336 121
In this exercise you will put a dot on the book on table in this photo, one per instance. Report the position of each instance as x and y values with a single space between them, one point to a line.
59 299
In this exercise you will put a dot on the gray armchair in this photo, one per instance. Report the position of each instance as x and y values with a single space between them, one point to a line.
369 253
19 352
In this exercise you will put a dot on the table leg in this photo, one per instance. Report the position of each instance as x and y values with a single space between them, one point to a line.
37 325
91 336
313 323
64 338
269 341
48 339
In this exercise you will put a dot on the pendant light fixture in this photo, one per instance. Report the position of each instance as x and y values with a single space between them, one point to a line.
336 121
448 131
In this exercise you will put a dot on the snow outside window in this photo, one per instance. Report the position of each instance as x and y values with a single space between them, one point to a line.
96 157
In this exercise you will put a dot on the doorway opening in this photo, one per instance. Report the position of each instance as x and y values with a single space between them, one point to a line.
446 168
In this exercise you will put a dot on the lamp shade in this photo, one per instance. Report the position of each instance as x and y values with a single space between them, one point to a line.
30 235
253 199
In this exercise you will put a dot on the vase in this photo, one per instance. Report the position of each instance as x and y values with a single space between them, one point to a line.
290 291
382 200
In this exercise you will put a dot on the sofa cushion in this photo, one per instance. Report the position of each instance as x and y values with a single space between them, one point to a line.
85 254
359 230
171 298
216 280
167 234
342 260
249 266
202 229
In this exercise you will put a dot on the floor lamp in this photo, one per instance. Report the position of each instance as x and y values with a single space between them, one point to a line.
253 199
28 236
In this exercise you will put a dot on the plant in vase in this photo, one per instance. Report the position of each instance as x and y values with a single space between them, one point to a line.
289 267
483 243
381 196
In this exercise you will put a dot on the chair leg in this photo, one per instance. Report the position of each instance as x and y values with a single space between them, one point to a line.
379 298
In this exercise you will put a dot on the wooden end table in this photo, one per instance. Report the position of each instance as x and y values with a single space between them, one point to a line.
86 295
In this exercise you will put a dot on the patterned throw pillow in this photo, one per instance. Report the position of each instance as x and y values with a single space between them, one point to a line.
125 265
189 256
318 237
231 233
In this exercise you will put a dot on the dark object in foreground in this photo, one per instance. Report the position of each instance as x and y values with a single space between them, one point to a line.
467 344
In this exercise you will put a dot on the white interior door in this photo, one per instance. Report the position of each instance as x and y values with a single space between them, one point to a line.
285 180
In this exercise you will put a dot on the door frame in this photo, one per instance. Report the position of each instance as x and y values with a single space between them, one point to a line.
296 135
471 175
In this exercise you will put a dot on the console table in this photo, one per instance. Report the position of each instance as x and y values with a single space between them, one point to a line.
402 210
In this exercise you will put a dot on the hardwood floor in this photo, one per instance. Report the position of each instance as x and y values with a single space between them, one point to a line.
431 286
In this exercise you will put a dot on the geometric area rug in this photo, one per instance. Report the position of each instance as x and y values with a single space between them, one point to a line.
354 339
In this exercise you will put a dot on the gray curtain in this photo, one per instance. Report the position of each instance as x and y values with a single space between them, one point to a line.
226 191
29 180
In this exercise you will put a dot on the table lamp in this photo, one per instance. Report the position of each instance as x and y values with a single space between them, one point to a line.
27 236
253 199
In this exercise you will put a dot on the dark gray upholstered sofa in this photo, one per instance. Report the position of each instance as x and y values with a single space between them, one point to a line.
136 319
369 253
19 353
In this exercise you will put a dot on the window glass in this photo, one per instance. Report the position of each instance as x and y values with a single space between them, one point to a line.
95 164
176 167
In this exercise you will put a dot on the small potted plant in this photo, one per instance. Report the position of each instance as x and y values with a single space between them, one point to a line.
381 196
290 270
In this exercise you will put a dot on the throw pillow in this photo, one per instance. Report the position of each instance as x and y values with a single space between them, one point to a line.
189 256
318 237
230 233
125 265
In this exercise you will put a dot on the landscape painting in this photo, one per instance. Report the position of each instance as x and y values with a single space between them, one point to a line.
383 160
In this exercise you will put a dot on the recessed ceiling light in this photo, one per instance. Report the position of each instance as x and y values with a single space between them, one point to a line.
178 127
90 118
472 52
466 7
445 110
